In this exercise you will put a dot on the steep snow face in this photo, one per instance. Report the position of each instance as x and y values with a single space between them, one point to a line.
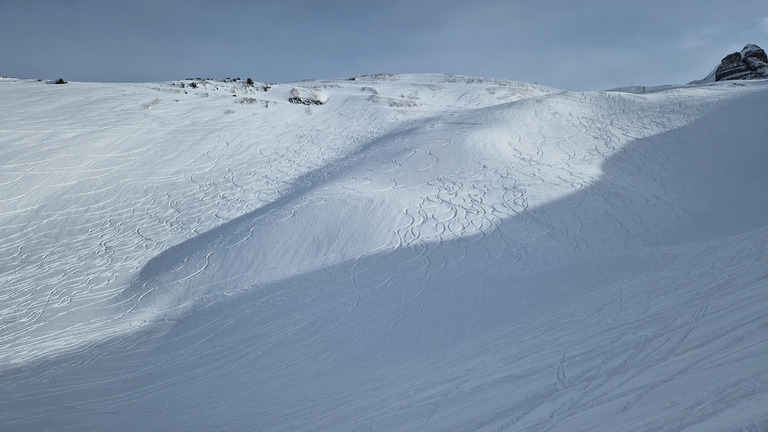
410 252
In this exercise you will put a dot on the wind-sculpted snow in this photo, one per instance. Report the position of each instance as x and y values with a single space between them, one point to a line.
419 252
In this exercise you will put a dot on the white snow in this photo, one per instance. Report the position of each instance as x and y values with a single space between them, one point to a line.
415 253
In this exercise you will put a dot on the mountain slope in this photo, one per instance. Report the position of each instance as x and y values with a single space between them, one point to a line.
418 252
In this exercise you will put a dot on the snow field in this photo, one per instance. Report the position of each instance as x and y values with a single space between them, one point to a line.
420 252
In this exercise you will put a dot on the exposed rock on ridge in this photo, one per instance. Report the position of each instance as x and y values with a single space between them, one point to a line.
750 63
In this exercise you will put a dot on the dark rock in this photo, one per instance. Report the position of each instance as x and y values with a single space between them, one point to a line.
306 97
305 101
60 81
732 67
750 63
754 57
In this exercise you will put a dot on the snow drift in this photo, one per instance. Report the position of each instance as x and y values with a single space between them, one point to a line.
410 252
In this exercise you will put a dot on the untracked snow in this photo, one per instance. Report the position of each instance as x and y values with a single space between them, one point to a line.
384 253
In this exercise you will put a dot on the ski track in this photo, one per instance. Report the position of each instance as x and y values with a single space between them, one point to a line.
167 266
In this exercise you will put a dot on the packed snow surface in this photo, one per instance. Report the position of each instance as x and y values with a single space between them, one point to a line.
389 253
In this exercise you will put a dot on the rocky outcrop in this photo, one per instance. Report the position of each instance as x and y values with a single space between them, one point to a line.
732 67
755 58
307 97
750 63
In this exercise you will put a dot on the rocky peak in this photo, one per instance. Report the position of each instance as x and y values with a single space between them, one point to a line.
750 63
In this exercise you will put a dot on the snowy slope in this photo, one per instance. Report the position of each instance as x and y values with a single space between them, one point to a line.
417 253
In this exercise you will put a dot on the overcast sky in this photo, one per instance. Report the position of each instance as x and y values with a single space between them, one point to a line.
569 44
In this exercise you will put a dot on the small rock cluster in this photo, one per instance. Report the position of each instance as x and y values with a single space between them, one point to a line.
305 97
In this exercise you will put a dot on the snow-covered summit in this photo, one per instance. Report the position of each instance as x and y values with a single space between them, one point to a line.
386 252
